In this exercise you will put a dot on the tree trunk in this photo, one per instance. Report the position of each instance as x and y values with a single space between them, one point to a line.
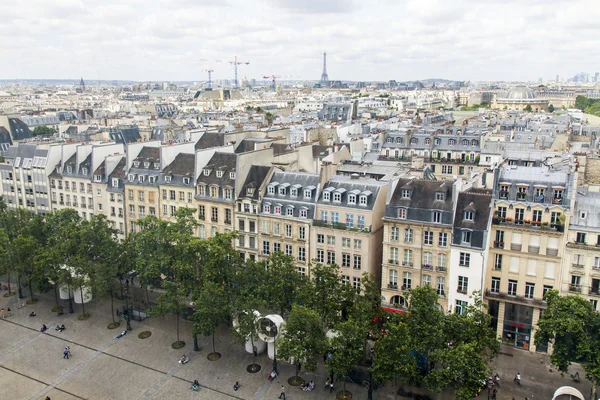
56 296
177 316
9 291
20 289
253 352
213 335
121 283
296 368
593 391
147 296
112 305
31 291
82 300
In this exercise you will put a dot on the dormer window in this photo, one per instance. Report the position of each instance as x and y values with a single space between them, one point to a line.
115 182
270 189
219 174
69 169
405 193
399 140
307 194
362 200
390 140
326 196
201 190
278 210
267 208
84 170
206 172
469 216
303 213
466 236
451 142
249 191
131 177
186 181
402 213
474 143
141 178
337 197
465 142
437 142
156 165
98 178
351 199
427 141
289 211
168 179
152 179
232 175
440 196
136 164
294 192
282 191
413 141
146 164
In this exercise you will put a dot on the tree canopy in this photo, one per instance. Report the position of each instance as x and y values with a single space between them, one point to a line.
43 130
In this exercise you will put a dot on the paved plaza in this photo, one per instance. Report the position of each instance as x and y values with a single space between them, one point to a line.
103 367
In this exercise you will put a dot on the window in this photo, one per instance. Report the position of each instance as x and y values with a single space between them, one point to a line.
406 280
132 210
357 244
302 233
320 256
466 236
349 221
502 212
357 262
408 257
463 284
426 280
289 211
219 174
442 260
337 197
301 254
436 216
352 199
288 250
281 191
440 196
362 200
173 210
512 287
529 290
469 216
465 259
307 193
405 194
330 257
228 217
320 238
130 194
427 237
228 194
393 278
537 216
581 236
266 247
345 279
214 192
461 307
303 213
356 283
335 217
408 235
519 214
346 243
267 208
215 214
402 213
278 210
345 260
394 233
324 216
442 239
498 262
288 230
140 196
331 240
394 255
326 196
360 224
596 263
270 189
495 288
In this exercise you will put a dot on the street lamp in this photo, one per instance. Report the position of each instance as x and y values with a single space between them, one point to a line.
127 304
70 299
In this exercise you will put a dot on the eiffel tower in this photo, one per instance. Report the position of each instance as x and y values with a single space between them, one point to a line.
324 76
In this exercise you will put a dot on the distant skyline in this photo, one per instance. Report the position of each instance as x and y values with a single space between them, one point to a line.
167 40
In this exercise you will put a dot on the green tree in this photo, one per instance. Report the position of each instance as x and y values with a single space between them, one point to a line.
573 327
551 108
347 351
327 293
285 286
211 309
170 301
269 117
303 338
43 130
582 102
528 108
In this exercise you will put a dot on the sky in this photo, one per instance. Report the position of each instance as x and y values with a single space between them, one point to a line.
378 40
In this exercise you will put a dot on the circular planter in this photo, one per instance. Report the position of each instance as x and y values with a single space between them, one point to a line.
178 345
32 301
9 294
213 356
114 325
253 368
145 335
84 316
57 309
295 381
343 395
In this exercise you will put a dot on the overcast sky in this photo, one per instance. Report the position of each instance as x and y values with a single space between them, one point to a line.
364 40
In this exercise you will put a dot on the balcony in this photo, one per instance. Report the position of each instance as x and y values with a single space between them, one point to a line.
337 225
461 290
533 249
514 298
392 286
441 294
529 225
499 245
407 263
228 222
441 269
552 252
575 288
521 196
213 219
503 195
427 267
595 291
516 246
393 262
574 265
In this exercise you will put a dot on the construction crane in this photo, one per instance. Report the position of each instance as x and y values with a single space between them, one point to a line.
210 71
235 64
272 77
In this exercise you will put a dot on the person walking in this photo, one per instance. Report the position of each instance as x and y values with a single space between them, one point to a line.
327 383
497 380
331 387
518 378
66 353
282 394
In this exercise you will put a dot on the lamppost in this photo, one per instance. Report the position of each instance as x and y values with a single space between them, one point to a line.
196 347
70 299
127 304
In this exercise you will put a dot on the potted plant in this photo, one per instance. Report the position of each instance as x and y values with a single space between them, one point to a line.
527 221
510 219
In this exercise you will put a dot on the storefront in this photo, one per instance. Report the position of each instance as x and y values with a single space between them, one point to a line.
517 326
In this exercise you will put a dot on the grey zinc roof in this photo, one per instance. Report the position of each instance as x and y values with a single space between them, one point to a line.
346 186
588 203
183 164
477 201
149 154
254 179
306 180
210 140
423 194
535 175
225 162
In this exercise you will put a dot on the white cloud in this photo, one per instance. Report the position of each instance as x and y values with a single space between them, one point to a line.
379 40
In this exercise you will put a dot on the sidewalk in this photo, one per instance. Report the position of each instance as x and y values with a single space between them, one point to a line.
31 364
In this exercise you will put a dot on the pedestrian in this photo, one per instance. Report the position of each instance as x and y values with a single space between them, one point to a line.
327 383
497 379
518 378
282 394
69 351
66 353
494 393
8 311
48 398
331 387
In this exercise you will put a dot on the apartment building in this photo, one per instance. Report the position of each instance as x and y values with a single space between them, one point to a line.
418 228
531 209
247 210
348 227
141 184
114 175
581 262
468 250
177 186
24 177
287 211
